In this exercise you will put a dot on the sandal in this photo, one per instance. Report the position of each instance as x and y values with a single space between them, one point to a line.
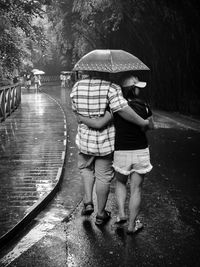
100 220
121 220
138 227
88 209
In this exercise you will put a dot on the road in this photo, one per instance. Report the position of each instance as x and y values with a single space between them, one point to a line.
170 211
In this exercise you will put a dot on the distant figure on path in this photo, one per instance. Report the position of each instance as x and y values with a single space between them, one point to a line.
68 79
37 81
63 79
28 81
15 79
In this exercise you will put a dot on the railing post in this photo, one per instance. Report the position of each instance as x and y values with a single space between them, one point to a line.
10 98
12 94
18 95
2 105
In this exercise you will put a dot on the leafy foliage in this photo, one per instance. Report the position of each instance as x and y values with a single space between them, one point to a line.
16 31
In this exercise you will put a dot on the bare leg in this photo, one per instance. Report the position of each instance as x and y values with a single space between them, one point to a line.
136 181
121 193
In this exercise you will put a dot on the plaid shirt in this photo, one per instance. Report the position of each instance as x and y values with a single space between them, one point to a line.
91 98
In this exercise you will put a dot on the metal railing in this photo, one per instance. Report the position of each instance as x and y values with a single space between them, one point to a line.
52 78
10 98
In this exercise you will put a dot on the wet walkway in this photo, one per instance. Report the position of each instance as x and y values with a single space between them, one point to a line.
32 153
170 208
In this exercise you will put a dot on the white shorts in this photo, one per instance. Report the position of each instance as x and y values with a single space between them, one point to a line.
128 161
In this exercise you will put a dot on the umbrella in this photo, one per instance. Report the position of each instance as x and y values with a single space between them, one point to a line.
111 61
65 72
38 72
33 70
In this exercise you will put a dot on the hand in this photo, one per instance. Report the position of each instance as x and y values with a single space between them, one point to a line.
78 117
151 125
109 115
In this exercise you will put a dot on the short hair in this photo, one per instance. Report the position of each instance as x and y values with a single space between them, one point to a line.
98 74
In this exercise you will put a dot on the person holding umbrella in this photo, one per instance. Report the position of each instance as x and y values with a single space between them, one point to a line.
28 81
37 81
131 156
91 97
37 77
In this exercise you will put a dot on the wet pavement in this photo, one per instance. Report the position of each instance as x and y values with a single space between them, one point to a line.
170 208
32 152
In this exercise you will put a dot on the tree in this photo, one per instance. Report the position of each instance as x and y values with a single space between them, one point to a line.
17 31
83 26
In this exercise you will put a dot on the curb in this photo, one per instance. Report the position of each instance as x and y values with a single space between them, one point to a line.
178 121
68 217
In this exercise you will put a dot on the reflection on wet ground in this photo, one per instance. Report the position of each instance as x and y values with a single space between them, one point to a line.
31 152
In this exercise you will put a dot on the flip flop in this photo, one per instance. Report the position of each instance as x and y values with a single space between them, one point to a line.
121 220
88 209
138 227
101 220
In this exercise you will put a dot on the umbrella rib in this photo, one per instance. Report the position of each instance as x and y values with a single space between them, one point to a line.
111 60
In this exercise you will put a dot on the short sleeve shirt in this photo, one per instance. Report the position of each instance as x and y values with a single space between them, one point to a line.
91 98
130 136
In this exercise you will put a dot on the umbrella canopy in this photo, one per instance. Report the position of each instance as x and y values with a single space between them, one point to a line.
65 72
38 72
33 70
111 61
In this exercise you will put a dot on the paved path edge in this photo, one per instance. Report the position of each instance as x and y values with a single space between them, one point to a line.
68 217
